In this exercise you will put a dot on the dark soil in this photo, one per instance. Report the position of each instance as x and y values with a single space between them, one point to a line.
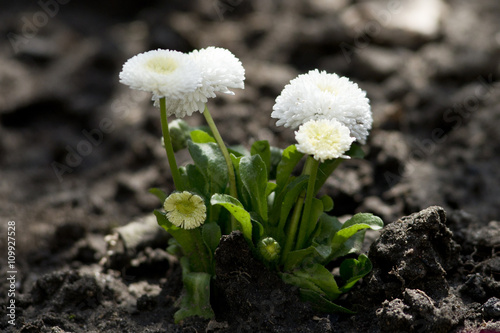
78 152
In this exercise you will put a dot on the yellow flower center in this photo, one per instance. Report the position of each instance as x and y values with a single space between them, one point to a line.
327 88
162 65
185 207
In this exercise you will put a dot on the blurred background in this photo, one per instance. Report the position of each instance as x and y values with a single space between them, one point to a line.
78 148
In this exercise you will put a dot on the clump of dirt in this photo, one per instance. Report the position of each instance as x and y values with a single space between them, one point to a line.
250 298
414 258
415 252
418 279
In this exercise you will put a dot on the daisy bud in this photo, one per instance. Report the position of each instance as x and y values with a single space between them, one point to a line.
269 249
179 133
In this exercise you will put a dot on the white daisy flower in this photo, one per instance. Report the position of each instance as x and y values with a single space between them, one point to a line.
220 72
165 73
325 139
320 95
185 210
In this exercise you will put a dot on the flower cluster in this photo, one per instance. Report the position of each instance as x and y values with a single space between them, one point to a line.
256 191
320 95
186 81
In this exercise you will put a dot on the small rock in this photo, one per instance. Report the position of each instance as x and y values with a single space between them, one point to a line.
17 85
487 236
491 308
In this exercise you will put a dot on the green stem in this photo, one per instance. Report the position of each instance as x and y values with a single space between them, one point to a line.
311 168
168 146
233 191
292 229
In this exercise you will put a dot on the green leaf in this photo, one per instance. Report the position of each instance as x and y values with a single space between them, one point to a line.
316 212
210 161
276 154
195 299
355 151
324 252
237 210
300 282
253 174
195 180
327 203
257 229
174 248
351 270
262 149
352 245
289 160
238 150
179 134
320 303
190 242
270 188
358 222
159 194
327 227
181 235
211 234
243 194
299 257
321 277
374 222
199 136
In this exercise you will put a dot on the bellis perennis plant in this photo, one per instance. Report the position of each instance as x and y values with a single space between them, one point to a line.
257 191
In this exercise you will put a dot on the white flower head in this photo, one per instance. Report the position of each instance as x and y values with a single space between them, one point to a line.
220 72
165 73
325 139
320 95
185 210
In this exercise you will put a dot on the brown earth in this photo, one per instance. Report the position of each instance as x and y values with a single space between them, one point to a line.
78 152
